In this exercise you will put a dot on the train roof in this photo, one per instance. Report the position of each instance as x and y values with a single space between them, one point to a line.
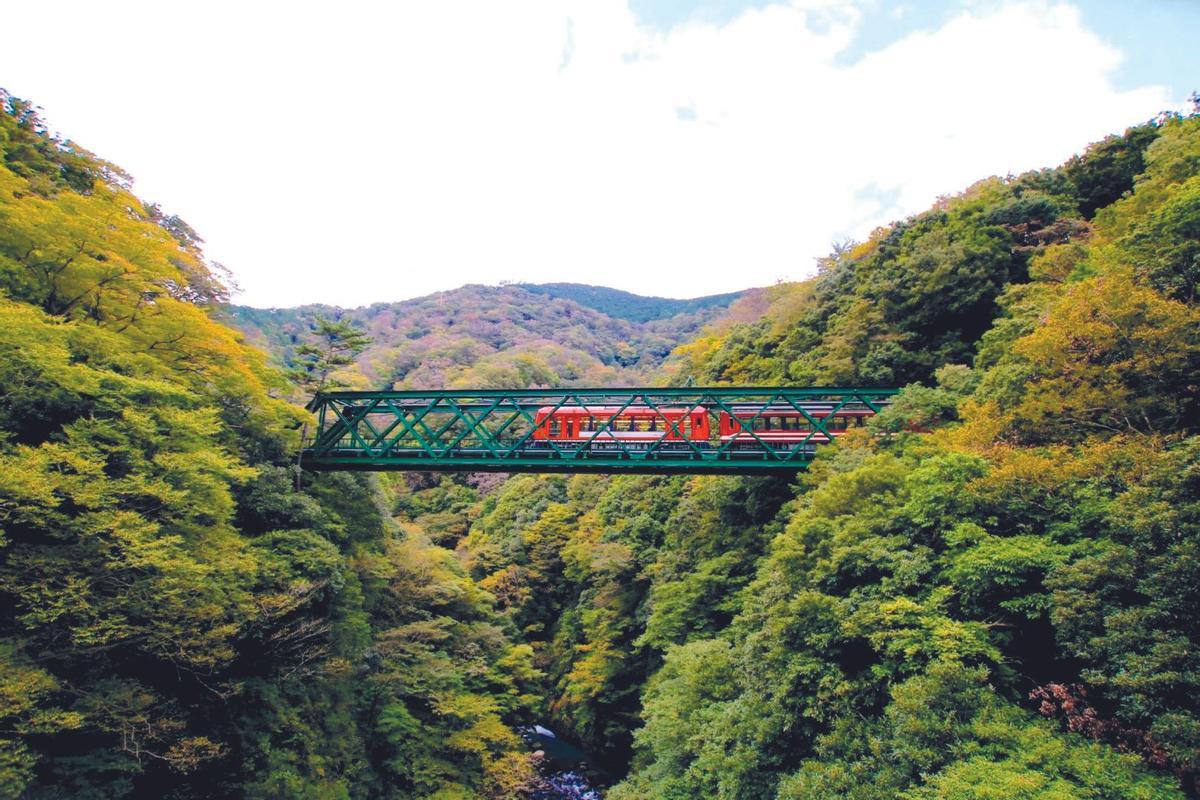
620 409
856 408
739 408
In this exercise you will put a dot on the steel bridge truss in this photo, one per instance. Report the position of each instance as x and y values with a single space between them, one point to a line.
492 430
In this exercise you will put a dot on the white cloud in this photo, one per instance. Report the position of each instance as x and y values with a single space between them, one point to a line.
374 151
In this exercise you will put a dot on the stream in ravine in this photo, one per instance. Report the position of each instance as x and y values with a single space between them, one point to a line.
568 773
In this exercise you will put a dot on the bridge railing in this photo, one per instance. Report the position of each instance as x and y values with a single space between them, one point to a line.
714 429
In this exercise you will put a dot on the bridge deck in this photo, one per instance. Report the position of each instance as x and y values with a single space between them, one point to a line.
738 430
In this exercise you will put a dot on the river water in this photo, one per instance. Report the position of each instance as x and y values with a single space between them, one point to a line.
568 773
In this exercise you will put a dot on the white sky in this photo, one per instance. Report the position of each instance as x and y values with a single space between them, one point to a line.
359 152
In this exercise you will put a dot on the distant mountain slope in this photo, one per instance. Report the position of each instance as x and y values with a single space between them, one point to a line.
629 306
496 336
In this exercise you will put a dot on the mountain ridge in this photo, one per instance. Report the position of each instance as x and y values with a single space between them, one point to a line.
502 335
594 296
630 305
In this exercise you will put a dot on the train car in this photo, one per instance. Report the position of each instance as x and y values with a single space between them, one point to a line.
605 426
748 427
785 425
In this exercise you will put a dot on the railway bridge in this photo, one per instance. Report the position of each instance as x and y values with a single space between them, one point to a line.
717 430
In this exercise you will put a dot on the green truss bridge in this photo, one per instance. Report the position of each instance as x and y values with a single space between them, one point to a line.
725 430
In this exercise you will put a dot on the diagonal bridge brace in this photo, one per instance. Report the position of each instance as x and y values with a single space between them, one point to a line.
497 429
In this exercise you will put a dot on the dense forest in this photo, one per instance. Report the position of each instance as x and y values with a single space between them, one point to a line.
1002 606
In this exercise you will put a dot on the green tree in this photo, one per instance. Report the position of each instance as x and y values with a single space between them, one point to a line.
335 344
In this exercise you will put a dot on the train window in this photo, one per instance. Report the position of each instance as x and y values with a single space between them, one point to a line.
555 428
570 429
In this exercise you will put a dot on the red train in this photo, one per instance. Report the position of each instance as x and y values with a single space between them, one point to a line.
642 425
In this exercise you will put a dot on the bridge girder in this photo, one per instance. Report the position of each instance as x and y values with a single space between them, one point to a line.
495 430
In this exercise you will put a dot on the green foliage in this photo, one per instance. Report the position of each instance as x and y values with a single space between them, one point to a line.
868 319
1107 170
946 731
176 618
336 345
990 592
602 575
46 162
923 582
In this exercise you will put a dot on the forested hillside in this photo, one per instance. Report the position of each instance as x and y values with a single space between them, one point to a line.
1002 607
178 620
1006 607
500 336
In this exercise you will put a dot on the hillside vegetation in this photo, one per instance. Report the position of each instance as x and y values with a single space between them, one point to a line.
629 306
1004 608
176 619
499 336
1009 602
